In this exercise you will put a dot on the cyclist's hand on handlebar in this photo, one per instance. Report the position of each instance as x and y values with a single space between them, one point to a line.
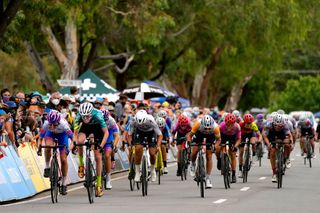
115 149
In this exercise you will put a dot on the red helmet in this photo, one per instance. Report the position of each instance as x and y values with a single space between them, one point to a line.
183 120
230 119
248 118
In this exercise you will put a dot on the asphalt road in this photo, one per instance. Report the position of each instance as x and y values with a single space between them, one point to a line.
300 193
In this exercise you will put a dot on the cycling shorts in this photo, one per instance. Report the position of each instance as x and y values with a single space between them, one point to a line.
62 138
94 129
139 136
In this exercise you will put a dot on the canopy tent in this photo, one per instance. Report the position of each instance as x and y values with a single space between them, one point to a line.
143 91
184 102
93 87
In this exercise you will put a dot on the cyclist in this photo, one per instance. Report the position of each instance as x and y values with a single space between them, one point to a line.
305 127
56 128
143 126
238 116
163 114
277 129
230 131
291 128
182 128
166 136
90 121
207 129
112 143
249 129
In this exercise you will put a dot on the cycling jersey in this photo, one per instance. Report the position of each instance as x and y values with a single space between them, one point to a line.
112 128
274 134
261 124
166 133
97 119
200 133
248 129
230 134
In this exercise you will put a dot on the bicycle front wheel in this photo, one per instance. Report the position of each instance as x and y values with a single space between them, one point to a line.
54 178
279 168
309 151
225 170
201 174
144 177
246 165
89 180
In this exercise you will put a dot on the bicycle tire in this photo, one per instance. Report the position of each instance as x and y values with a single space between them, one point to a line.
54 178
259 153
224 167
309 155
131 176
182 164
185 162
104 174
201 174
158 167
89 180
245 168
279 168
144 187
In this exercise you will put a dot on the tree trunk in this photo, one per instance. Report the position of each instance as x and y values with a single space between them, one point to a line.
121 82
200 92
36 60
235 94
68 62
7 15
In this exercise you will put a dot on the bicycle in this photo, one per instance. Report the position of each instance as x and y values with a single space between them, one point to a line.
104 171
90 174
159 165
55 171
132 171
247 160
145 166
280 164
225 164
200 170
308 148
259 152
184 157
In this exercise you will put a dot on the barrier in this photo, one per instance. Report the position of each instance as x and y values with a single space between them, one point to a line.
34 166
6 191
13 176
73 168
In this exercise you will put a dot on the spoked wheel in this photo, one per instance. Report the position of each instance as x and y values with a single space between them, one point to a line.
183 165
280 170
54 179
246 166
144 177
89 182
131 177
309 155
201 176
225 170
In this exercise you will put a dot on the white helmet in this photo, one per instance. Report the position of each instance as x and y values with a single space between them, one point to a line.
286 118
85 108
141 117
278 120
236 113
161 122
207 121
281 112
162 113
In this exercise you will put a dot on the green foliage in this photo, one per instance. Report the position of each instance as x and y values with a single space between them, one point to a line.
300 94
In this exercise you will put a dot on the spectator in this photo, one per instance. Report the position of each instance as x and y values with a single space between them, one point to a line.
74 93
119 108
5 95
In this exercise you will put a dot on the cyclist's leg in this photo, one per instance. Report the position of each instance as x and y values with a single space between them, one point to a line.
312 144
164 156
63 141
273 152
137 160
80 140
108 151
47 153
152 152
241 150
302 145
253 141
233 164
217 152
209 162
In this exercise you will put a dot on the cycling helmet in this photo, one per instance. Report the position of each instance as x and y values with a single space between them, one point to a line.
286 118
281 112
248 118
207 121
141 117
259 117
161 122
85 109
106 114
54 117
278 120
230 119
308 122
162 113
236 113
183 120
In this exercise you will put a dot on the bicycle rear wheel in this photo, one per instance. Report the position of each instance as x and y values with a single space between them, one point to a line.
182 165
54 178
144 177
104 173
185 164
259 153
158 163
201 173
131 176
89 182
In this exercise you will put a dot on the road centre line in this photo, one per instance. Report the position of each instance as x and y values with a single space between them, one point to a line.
219 201
245 189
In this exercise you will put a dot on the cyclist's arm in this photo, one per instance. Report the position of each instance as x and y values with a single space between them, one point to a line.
217 134
193 131
265 137
238 136
105 136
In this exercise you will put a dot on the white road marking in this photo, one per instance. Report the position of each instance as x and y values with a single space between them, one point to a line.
219 201
262 178
69 190
245 189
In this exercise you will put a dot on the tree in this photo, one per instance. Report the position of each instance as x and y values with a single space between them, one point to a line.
7 13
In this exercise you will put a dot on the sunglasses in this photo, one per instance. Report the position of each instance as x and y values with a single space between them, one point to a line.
86 117
55 125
